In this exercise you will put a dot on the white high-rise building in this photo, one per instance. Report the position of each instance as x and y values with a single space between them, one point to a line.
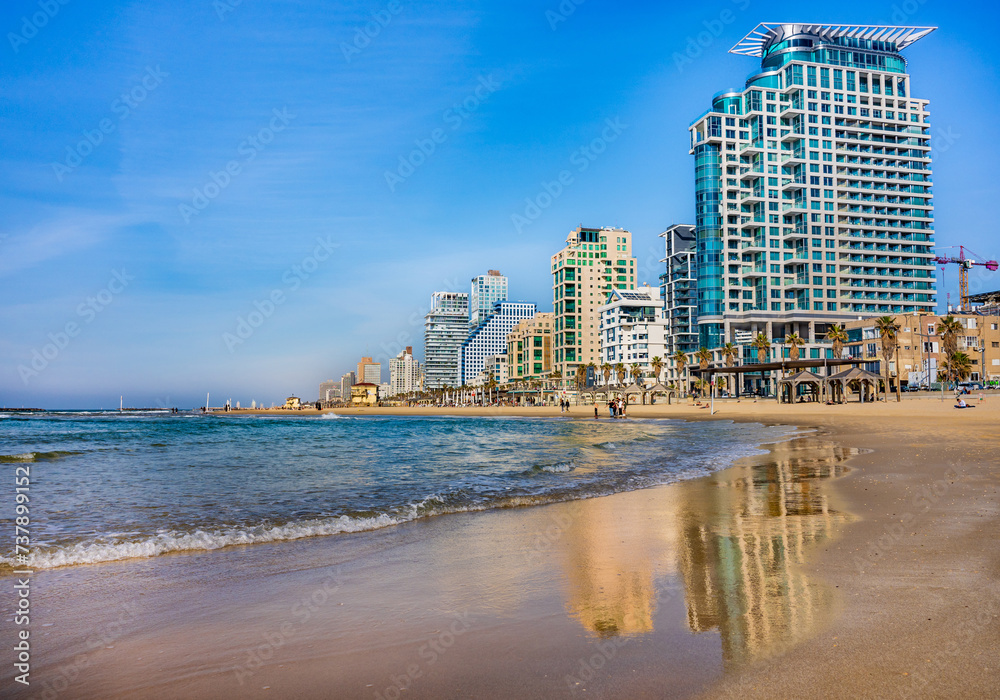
405 373
490 338
486 291
633 327
813 187
446 327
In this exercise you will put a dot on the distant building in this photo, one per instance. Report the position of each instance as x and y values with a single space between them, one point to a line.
679 288
293 402
364 394
486 291
405 374
529 348
594 261
346 382
329 390
490 338
369 371
633 328
495 365
921 350
446 326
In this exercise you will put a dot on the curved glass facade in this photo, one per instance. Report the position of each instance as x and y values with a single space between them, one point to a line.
812 187
708 228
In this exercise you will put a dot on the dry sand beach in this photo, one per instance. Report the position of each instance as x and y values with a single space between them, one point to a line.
858 559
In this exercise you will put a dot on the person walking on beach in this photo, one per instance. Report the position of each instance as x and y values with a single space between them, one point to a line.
611 408
596 416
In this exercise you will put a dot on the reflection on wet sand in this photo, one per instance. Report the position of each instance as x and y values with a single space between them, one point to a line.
735 540
743 543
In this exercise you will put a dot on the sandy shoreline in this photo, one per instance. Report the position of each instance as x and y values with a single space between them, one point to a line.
880 584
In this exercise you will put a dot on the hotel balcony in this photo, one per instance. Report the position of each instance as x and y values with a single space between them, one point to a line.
793 183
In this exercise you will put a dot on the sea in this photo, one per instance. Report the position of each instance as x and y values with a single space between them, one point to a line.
107 486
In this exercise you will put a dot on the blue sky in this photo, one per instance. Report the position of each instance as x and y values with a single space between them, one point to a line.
170 171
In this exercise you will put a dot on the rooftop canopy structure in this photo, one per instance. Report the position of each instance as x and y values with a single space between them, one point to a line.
768 35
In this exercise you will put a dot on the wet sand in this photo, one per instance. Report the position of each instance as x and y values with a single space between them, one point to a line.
768 579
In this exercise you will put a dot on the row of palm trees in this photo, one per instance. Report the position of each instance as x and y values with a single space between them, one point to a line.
955 368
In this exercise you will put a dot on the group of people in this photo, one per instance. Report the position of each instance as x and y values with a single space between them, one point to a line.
616 408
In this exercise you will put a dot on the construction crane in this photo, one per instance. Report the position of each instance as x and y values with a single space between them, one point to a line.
964 265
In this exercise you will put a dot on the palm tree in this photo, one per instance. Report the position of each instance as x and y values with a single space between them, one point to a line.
657 364
949 328
491 384
730 352
838 336
760 345
620 372
606 371
958 365
636 372
555 376
704 356
580 379
681 360
888 330
794 341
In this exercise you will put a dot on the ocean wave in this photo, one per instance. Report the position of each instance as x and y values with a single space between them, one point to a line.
606 446
37 456
556 468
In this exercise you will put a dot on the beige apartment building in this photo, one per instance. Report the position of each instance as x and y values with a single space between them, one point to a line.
594 261
920 346
529 348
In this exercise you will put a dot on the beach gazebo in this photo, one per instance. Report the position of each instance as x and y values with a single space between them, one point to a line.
659 390
634 389
788 387
838 384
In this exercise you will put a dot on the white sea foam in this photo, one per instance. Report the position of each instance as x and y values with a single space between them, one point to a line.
559 468
204 540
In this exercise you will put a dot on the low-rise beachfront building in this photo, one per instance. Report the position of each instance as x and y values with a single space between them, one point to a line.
495 365
405 374
364 394
593 262
490 338
920 351
293 402
633 328
446 327
529 348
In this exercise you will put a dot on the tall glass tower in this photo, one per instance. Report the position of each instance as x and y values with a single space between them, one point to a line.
813 187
